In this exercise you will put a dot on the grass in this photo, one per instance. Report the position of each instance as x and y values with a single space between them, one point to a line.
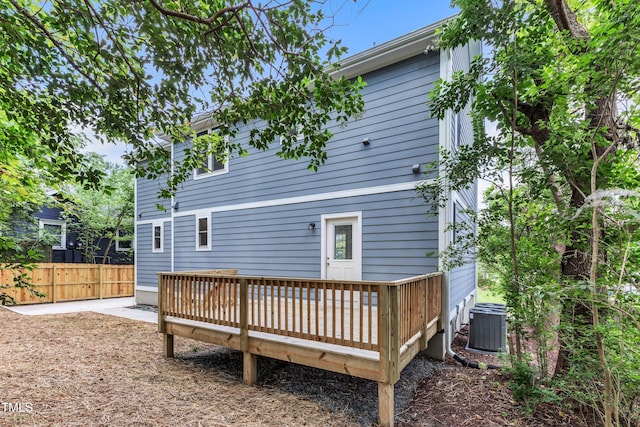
487 295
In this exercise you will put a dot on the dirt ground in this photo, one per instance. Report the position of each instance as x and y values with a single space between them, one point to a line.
88 369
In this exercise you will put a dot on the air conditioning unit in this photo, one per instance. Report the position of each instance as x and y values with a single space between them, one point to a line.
488 327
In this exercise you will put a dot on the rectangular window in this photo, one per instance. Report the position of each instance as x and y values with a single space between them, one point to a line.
296 135
343 246
457 130
203 240
54 232
212 164
123 241
158 238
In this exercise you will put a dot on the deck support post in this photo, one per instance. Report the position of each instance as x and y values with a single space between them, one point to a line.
385 404
389 347
167 345
250 368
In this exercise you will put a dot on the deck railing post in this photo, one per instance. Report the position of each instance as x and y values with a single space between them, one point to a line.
161 325
167 339
389 348
427 316
395 336
250 361
383 332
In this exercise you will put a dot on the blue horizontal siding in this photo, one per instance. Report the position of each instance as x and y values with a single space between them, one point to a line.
149 263
395 119
147 200
276 241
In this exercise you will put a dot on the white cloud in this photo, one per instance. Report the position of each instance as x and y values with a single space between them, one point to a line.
110 151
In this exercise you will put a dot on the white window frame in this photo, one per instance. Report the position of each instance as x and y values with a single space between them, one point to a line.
210 162
63 231
457 129
207 247
299 135
153 237
118 248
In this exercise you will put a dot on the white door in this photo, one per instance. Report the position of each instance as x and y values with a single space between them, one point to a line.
343 248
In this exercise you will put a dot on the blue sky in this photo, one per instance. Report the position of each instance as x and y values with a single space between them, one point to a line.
360 25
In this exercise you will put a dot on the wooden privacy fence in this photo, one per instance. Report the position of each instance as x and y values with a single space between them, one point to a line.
72 282
369 329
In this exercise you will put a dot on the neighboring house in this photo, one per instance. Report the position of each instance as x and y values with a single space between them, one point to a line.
358 217
66 246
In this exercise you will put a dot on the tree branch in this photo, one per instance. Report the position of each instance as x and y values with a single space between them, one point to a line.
566 19
58 46
197 19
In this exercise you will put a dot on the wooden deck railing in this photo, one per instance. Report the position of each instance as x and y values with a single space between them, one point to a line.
385 323
334 312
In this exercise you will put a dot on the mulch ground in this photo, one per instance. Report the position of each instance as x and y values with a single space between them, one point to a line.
88 369
460 396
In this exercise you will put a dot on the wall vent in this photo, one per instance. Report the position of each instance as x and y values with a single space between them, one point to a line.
488 327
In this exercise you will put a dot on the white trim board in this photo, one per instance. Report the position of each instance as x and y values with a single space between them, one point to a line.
309 198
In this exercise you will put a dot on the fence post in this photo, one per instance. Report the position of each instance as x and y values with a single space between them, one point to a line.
53 284
100 291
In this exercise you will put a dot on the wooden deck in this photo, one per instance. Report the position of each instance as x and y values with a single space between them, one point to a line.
370 330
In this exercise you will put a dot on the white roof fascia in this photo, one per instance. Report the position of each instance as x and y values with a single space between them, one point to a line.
419 41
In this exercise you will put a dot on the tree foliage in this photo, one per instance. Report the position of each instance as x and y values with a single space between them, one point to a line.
131 71
134 70
104 215
21 193
562 85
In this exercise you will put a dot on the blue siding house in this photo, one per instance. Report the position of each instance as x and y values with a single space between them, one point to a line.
359 217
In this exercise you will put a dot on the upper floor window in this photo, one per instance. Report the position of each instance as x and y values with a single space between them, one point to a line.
212 164
54 231
457 129
157 244
296 135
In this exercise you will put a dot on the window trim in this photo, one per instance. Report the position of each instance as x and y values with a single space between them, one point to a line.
120 249
63 231
197 232
153 237
299 135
